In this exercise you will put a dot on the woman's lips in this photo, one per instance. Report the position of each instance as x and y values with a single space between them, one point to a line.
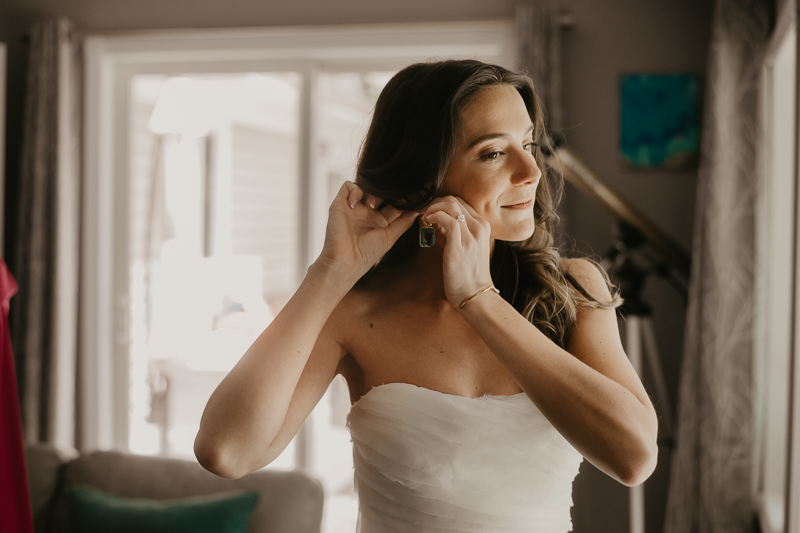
522 205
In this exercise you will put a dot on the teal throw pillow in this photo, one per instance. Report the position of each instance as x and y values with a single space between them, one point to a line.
96 511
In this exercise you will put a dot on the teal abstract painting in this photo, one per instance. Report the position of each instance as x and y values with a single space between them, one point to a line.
659 120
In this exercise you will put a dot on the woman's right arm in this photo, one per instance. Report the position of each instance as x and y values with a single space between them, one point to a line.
261 404
263 397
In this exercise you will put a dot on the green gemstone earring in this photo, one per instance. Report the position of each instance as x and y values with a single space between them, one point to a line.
427 235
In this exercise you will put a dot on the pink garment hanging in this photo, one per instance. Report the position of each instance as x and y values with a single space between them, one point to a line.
15 504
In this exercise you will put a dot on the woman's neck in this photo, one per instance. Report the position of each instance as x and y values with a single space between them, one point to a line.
425 270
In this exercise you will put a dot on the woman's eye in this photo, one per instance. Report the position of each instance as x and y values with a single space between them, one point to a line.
530 146
491 155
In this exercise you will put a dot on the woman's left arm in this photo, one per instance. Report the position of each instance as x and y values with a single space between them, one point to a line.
589 392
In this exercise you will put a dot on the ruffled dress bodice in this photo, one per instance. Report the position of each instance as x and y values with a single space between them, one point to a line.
426 461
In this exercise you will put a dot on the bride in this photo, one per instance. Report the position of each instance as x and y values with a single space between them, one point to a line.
482 366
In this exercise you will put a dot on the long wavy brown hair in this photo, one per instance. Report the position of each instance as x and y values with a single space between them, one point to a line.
404 158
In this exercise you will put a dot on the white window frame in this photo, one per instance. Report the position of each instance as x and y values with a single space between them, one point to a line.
792 503
773 343
786 29
112 60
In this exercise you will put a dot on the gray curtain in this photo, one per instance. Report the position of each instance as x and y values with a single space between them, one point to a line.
710 481
539 25
45 312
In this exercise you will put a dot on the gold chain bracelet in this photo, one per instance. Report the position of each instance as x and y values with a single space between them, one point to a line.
489 288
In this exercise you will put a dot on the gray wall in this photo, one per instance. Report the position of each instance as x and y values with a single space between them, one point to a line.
610 38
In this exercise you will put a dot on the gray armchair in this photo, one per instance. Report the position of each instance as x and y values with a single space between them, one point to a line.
288 501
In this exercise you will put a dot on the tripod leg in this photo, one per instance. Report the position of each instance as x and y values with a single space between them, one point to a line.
656 370
633 347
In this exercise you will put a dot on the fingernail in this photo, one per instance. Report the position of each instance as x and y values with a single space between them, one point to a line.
372 204
353 204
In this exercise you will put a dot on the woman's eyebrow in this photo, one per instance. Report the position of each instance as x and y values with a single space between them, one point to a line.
494 136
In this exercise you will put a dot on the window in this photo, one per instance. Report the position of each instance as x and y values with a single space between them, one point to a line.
212 244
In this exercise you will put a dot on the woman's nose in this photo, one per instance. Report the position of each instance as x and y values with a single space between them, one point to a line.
527 170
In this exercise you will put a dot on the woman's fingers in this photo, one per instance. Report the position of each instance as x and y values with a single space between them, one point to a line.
354 193
372 201
448 204
400 224
449 226
387 216
455 211
390 212
474 221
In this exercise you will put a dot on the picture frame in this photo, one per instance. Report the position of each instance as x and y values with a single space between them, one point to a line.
659 120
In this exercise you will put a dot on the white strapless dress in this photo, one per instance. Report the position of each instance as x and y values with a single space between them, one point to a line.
426 461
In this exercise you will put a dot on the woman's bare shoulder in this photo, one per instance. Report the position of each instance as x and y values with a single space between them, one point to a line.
588 275
351 325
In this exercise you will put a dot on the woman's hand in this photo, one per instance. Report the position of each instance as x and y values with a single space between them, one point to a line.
358 234
467 247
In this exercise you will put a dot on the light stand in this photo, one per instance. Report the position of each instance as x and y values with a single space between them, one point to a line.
639 336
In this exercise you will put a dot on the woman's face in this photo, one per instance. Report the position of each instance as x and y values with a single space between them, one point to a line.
492 167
